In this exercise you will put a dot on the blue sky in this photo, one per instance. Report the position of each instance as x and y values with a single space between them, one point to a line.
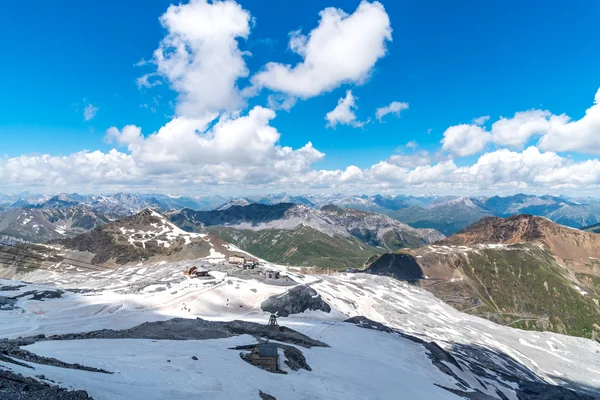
450 62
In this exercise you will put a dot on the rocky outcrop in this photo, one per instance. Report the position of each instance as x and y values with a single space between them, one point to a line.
197 329
265 396
17 387
295 301
397 265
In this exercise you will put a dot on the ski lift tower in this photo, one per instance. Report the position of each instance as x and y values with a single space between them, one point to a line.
273 322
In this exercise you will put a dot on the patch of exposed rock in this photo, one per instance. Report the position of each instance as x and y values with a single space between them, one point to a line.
397 265
295 301
17 387
265 396
10 350
197 329
7 303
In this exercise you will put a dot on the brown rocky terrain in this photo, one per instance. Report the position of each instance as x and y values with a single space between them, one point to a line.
570 246
522 271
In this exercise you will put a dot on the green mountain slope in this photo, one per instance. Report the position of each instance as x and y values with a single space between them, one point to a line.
302 246
519 285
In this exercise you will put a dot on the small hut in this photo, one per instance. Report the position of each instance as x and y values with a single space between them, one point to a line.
272 274
265 356
237 259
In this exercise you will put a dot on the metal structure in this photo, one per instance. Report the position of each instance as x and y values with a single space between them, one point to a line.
273 321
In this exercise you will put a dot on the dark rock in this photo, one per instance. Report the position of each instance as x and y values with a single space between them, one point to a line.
196 329
266 396
17 387
194 358
365 322
544 391
295 301
10 350
397 265
11 288
295 359
7 303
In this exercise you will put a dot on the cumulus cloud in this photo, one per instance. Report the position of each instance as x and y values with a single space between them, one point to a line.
343 113
242 141
465 140
342 49
212 142
555 132
89 112
200 56
582 135
395 107
516 131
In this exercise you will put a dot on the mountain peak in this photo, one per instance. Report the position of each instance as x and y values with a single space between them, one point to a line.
565 243
515 229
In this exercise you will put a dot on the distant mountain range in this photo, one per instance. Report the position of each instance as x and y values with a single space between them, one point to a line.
523 271
447 214
44 224
296 234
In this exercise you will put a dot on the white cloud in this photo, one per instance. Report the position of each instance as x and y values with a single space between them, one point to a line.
465 140
342 49
395 107
555 132
351 174
233 141
516 131
481 120
200 56
148 80
211 143
284 168
89 112
582 135
343 113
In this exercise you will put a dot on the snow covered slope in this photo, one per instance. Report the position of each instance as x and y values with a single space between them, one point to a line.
470 357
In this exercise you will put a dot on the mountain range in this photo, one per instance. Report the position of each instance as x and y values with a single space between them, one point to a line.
523 271
299 235
447 214
44 224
